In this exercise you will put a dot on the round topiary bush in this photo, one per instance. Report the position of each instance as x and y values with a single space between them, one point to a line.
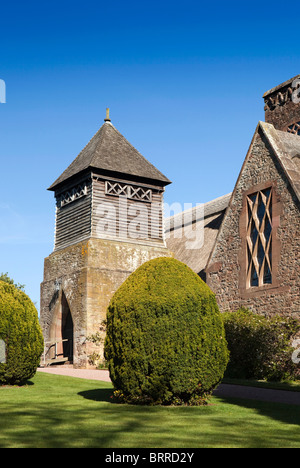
20 335
165 341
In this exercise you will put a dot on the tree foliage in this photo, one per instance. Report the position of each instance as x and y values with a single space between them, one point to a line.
21 334
260 347
4 277
165 341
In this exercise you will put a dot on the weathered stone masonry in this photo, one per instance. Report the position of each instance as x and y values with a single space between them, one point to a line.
226 270
88 273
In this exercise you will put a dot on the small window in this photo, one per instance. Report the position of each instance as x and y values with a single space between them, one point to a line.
294 128
259 238
2 352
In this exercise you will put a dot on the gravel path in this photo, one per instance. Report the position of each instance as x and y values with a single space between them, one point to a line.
223 391
81 373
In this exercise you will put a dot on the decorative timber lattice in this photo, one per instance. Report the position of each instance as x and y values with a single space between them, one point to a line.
129 191
279 99
294 128
72 195
259 238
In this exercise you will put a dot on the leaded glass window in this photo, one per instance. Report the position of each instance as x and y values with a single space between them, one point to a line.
259 238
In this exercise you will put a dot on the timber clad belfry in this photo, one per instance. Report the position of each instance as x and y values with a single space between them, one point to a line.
251 252
109 221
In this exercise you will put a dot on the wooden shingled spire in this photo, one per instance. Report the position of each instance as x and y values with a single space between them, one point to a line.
109 151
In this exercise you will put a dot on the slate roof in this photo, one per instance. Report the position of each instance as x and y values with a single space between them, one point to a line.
213 213
108 150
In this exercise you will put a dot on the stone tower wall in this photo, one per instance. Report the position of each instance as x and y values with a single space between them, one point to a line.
88 273
282 104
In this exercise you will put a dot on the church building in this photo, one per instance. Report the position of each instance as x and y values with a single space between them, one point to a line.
251 251
109 221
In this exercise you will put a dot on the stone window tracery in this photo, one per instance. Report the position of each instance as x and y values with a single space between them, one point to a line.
259 238
294 128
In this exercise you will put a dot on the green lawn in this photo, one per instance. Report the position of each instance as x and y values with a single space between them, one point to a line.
288 385
64 412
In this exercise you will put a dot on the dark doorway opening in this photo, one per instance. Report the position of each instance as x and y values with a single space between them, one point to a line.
67 329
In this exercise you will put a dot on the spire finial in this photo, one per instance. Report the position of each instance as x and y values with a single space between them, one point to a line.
107 119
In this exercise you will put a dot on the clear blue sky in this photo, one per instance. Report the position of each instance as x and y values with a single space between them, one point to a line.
184 82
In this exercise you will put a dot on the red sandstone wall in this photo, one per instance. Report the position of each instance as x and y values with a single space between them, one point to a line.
226 270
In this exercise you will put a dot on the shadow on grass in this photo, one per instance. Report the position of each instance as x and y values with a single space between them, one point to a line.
98 394
97 423
288 414
281 412
63 412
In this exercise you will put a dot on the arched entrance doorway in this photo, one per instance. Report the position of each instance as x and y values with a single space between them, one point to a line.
59 348
67 329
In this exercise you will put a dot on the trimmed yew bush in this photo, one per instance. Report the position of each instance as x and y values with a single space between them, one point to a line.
21 334
165 341
260 347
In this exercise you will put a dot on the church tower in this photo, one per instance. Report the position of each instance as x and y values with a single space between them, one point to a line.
109 221
282 106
